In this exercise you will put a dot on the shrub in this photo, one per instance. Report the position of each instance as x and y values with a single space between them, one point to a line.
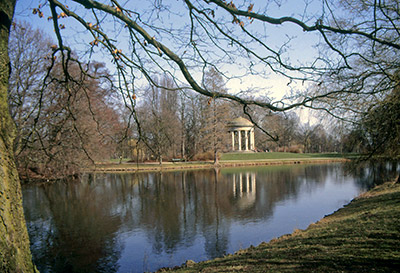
203 156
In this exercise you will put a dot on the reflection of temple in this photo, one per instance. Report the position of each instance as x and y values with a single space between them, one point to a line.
244 188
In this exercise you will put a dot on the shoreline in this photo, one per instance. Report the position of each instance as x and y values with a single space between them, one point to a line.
198 165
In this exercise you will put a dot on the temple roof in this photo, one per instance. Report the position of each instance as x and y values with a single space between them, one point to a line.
240 122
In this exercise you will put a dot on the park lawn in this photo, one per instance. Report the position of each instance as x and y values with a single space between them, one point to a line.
226 160
153 166
363 236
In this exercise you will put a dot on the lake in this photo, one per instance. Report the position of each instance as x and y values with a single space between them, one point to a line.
145 221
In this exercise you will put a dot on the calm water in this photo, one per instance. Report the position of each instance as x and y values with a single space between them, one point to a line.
141 222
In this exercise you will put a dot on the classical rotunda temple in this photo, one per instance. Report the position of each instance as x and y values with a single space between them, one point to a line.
242 131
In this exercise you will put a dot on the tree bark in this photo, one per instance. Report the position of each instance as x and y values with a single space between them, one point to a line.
15 255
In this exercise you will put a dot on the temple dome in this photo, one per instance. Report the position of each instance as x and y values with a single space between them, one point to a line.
240 122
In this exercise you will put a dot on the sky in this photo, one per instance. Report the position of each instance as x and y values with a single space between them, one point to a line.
276 86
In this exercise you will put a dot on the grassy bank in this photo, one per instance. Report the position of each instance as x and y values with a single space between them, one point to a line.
363 236
227 160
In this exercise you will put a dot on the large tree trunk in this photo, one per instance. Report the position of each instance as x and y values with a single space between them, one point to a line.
15 255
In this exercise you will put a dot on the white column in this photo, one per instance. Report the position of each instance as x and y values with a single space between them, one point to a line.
240 140
252 139
233 140
246 139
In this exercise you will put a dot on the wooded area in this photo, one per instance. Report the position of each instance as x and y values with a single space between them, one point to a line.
64 127
166 93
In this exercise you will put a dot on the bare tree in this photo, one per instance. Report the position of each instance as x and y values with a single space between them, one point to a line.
348 72
216 33
357 65
60 127
29 62
216 116
379 131
15 255
158 115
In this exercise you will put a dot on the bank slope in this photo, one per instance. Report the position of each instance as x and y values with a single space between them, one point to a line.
363 236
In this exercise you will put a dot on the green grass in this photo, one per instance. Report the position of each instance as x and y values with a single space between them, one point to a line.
145 167
238 156
363 236
276 155
227 160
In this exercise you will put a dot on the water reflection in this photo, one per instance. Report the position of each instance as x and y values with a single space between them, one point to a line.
244 189
72 228
141 222
378 171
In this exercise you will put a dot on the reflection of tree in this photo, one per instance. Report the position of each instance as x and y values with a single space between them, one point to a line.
161 211
38 221
216 229
82 229
173 205
172 209
372 172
